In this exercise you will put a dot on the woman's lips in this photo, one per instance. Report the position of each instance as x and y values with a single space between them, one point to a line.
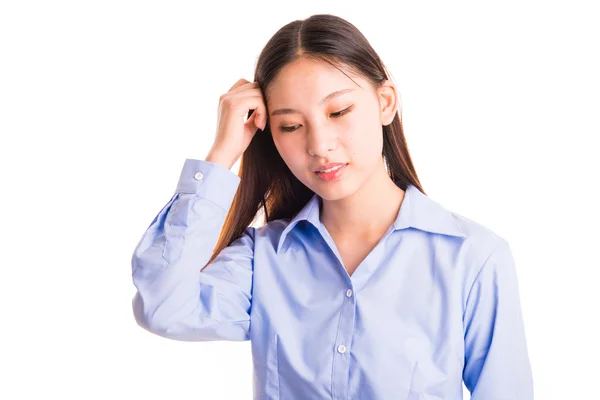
333 174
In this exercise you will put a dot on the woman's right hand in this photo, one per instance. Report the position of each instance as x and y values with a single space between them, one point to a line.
233 134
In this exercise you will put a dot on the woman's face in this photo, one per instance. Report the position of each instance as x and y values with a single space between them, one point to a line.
345 128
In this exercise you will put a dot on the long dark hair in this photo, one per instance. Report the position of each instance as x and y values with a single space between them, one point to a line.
267 184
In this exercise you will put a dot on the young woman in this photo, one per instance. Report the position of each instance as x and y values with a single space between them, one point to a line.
358 286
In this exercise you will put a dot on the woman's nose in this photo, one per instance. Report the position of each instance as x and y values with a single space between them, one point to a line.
320 142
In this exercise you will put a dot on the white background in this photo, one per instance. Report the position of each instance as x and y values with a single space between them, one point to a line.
101 102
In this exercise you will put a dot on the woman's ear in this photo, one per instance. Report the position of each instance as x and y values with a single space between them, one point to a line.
388 101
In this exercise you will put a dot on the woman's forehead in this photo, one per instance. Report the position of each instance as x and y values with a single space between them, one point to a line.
317 90
311 75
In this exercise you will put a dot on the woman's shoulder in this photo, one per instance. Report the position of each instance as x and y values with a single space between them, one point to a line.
270 233
480 240
476 230
432 215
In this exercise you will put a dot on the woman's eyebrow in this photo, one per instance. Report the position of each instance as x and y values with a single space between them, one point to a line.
330 96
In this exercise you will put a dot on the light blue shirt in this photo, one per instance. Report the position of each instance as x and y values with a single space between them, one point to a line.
434 303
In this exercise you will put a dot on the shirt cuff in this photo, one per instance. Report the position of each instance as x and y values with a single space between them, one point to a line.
208 180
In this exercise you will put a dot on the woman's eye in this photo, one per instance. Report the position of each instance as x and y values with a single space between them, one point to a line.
289 128
340 113
335 115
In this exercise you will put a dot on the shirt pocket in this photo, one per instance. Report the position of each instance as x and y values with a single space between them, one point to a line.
432 380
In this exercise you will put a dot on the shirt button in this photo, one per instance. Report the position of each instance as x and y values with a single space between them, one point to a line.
349 293
198 176
341 349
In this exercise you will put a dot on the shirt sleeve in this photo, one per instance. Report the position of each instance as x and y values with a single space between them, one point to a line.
497 364
175 298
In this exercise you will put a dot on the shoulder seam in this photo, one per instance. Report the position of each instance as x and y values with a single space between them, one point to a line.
501 242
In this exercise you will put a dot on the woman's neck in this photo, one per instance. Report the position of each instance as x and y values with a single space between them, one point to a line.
367 213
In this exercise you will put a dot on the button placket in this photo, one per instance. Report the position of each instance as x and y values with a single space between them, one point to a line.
342 348
344 336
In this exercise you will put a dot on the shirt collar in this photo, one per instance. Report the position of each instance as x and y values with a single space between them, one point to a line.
417 211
